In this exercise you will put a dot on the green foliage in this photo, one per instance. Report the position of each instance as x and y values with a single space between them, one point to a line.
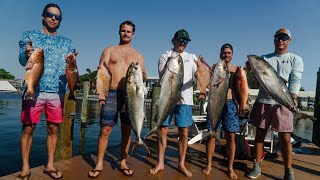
302 89
5 75
89 76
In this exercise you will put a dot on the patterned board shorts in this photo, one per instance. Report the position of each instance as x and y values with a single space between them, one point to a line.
183 116
228 118
52 103
279 117
114 104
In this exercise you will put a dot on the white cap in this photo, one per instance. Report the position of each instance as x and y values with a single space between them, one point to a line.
283 31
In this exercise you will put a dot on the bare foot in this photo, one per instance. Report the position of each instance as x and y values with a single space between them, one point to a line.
206 170
185 171
156 169
232 174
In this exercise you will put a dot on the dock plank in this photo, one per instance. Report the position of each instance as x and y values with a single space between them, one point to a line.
307 166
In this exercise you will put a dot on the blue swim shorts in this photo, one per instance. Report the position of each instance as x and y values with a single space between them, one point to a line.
182 114
228 118
114 104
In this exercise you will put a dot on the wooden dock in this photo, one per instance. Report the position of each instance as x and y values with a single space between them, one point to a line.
306 166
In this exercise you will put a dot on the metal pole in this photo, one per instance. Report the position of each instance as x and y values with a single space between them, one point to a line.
316 124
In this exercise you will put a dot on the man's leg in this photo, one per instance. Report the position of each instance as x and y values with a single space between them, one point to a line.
25 146
211 145
183 144
231 150
258 146
125 146
103 140
161 151
52 139
286 152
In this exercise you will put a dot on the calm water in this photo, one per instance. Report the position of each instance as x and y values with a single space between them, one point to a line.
10 129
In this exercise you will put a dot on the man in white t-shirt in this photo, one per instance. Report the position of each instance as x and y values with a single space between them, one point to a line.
183 109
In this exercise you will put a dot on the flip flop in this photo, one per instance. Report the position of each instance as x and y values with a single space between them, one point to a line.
128 171
25 176
93 172
49 173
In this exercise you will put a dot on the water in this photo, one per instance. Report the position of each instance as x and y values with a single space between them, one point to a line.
10 129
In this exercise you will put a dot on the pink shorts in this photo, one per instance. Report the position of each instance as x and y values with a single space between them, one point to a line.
279 117
52 104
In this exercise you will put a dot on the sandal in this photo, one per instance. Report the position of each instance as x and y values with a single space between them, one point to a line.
93 172
126 171
24 177
49 173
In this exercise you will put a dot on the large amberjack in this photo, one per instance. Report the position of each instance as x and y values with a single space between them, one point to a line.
135 91
271 81
72 76
219 85
241 89
170 91
274 84
103 81
33 75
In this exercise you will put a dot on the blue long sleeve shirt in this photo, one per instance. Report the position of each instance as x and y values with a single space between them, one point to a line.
56 48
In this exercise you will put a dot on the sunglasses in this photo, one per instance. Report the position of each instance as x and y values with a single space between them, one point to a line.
284 38
185 41
50 15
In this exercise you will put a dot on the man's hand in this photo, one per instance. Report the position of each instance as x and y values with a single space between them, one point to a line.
29 50
102 102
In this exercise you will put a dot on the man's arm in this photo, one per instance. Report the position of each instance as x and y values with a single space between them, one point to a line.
162 65
295 77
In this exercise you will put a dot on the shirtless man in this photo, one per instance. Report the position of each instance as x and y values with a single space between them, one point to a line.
228 118
117 59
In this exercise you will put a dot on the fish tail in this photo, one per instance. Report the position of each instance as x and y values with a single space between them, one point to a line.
29 94
211 134
153 131
139 143
71 96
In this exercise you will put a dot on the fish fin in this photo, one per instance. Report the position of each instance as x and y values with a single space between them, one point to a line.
145 90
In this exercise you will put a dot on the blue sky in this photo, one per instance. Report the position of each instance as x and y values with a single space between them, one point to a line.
93 25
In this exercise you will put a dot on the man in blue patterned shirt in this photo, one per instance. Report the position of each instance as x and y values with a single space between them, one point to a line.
50 91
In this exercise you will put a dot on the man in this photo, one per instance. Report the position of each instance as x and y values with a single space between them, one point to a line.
228 118
266 111
117 59
183 109
51 89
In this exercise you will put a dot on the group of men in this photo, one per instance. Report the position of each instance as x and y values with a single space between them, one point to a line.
52 87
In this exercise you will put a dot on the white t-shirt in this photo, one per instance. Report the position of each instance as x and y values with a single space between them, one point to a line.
190 68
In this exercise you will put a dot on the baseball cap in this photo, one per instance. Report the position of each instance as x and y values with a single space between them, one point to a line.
283 31
182 34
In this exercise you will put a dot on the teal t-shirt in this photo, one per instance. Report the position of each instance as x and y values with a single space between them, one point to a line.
56 48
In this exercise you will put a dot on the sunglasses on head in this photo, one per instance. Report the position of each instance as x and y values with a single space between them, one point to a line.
185 41
283 38
50 15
